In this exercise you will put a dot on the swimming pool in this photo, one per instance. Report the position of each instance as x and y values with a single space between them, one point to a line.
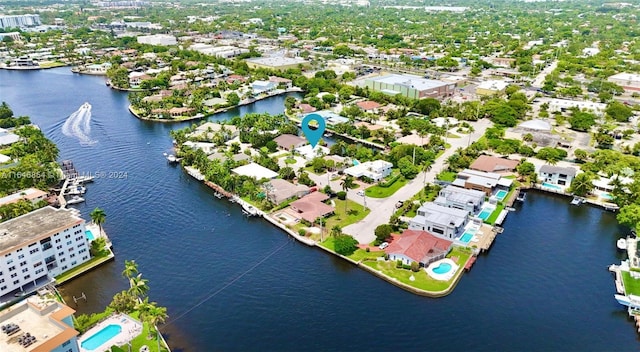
485 213
89 235
466 237
501 194
101 337
605 195
552 186
442 268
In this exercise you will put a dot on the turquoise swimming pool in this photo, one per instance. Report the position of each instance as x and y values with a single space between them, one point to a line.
466 237
552 186
501 194
98 339
605 195
442 268
89 235
485 213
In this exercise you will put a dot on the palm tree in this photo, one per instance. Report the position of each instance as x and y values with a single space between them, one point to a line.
346 184
98 216
138 286
336 231
427 168
130 269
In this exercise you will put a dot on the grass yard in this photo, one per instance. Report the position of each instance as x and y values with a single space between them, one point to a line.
383 192
422 280
492 218
355 212
449 176
360 254
69 274
289 161
631 285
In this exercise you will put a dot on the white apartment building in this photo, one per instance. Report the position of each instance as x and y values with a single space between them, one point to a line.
43 243
157 39
19 21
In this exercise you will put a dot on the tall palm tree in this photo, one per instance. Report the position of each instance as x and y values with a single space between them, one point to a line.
427 168
138 286
130 269
98 216
346 184
153 315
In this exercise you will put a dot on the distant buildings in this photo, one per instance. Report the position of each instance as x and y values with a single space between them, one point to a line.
19 21
40 245
628 81
375 170
226 51
50 322
277 63
157 39
410 86
122 4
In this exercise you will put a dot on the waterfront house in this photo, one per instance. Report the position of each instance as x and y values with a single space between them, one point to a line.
135 78
279 191
309 153
331 118
98 69
208 129
280 82
207 148
40 245
460 198
179 112
32 195
306 108
439 220
47 320
375 170
260 87
235 157
482 181
311 207
488 163
289 142
256 171
418 246
556 175
215 102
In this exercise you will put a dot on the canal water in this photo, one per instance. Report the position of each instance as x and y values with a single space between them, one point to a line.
237 284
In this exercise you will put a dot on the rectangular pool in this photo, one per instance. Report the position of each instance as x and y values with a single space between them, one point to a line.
501 194
89 235
605 195
101 337
552 186
466 237
485 213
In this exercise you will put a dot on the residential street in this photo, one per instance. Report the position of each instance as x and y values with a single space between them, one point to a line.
383 208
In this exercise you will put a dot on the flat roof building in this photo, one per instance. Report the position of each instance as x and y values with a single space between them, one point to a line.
441 221
277 63
256 171
492 87
39 246
460 198
48 321
481 181
157 39
410 86
628 81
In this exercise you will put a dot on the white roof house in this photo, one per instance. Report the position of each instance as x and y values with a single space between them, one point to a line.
308 152
375 170
256 171
7 137
263 86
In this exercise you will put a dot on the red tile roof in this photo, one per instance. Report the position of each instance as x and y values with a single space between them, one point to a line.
368 105
306 108
310 207
417 245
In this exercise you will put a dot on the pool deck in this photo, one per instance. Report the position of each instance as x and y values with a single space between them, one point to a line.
131 328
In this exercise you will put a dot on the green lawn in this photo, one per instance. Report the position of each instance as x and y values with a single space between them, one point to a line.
631 285
422 279
290 161
449 176
142 340
384 192
95 261
492 218
360 254
355 213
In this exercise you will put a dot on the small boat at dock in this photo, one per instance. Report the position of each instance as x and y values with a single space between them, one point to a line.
622 244
249 210
75 200
577 201
521 196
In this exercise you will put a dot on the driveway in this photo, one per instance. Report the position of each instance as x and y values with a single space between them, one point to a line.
383 208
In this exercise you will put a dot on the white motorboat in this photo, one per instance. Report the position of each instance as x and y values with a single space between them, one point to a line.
75 200
76 190
577 201
249 209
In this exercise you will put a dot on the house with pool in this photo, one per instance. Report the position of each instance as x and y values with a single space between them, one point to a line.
461 198
39 323
443 222
603 186
418 246
551 175
488 182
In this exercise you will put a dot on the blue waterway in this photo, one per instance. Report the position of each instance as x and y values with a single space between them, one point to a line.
541 287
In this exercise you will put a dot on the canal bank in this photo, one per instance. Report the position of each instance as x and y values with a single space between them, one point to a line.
542 287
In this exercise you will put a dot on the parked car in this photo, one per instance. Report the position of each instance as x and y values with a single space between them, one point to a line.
399 204
383 245
361 193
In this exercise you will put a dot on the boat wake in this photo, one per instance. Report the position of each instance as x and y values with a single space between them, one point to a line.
78 125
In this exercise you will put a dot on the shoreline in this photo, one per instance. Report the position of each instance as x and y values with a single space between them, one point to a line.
311 243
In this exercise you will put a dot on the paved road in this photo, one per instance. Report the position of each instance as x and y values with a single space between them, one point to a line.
539 81
383 209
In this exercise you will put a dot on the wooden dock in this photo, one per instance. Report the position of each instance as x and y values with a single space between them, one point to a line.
218 189
470 263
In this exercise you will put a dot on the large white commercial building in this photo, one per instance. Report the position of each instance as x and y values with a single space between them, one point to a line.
43 243
157 39
410 86
225 51
628 81
19 21
563 105
48 321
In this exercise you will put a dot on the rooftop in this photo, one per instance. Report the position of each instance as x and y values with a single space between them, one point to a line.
34 226
551 169
311 206
417 245
254 170
461 195
285 141
280 190
277 61
536 124
488 163
493 85
29 194
43 321
438 214
411 81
